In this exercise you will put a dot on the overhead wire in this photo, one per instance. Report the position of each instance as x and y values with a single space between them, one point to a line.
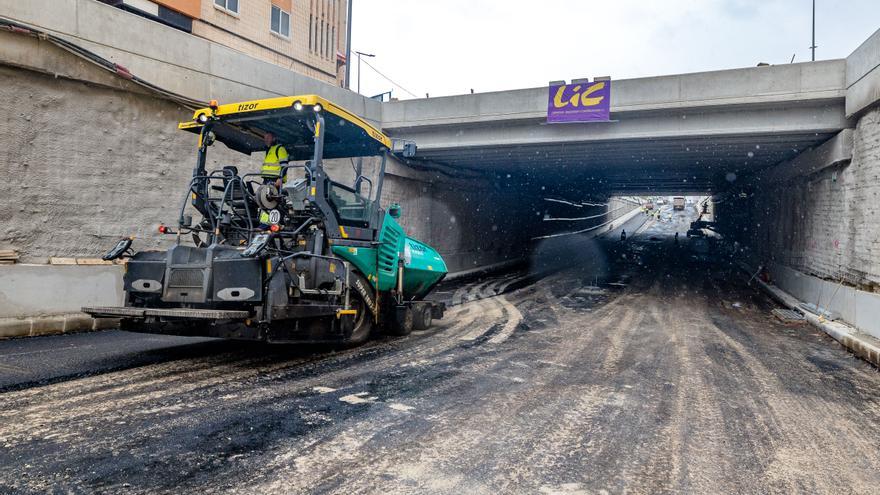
573 233
389 79
586 218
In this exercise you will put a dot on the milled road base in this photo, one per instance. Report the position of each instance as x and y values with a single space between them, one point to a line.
682 382
54 324
861 345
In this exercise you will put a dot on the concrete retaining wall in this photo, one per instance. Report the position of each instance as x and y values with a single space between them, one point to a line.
818 213
90 165
93 164
813 222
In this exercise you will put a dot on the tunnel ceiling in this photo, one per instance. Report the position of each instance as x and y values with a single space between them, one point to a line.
704 164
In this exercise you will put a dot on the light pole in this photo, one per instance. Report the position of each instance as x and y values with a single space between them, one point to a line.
813 47
359 54
348 49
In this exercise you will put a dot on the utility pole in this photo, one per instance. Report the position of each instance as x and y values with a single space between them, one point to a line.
813 47
348 49
359 54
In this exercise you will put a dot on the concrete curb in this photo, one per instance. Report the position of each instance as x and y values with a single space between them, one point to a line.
484 269
860 345
53 325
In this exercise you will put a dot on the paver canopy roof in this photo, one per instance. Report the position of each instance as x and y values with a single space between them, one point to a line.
241 126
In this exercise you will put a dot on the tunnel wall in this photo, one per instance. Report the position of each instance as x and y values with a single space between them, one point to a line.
813 223
822 223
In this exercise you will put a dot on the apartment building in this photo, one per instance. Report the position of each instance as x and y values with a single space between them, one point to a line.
306 36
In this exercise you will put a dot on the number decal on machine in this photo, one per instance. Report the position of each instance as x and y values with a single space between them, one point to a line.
274 217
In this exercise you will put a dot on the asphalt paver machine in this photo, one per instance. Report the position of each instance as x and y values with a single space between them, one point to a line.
306 260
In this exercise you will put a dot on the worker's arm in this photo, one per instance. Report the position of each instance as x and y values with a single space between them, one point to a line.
283 159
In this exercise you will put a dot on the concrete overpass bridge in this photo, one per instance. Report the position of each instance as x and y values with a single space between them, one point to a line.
689 132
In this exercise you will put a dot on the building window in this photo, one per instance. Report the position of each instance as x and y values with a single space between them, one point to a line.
227 5
280 23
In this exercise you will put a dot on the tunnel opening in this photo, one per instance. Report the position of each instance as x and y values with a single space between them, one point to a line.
575 203
632 241
608 212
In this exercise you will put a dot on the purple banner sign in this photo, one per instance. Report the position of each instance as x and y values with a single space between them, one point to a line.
581 102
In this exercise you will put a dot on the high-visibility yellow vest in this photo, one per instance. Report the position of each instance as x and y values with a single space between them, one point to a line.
272 163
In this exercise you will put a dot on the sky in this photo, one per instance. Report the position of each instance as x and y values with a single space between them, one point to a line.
446 47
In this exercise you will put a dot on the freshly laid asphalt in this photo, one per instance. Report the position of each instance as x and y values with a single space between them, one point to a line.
676 380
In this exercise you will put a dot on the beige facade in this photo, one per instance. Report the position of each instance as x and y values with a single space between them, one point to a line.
307 36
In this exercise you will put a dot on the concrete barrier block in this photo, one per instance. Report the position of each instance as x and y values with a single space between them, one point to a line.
47 325
14 327
78 323
32 290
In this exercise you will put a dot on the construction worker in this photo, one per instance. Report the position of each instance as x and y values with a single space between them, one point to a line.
276 157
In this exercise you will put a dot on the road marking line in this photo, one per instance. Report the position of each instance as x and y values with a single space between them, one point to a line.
553 363
514 318
400 407
359 398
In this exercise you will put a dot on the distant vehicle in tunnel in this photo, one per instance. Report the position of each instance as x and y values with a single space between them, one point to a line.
678 203
293 257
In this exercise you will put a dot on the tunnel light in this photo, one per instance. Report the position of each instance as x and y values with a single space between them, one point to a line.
318 108
202 118
298 106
